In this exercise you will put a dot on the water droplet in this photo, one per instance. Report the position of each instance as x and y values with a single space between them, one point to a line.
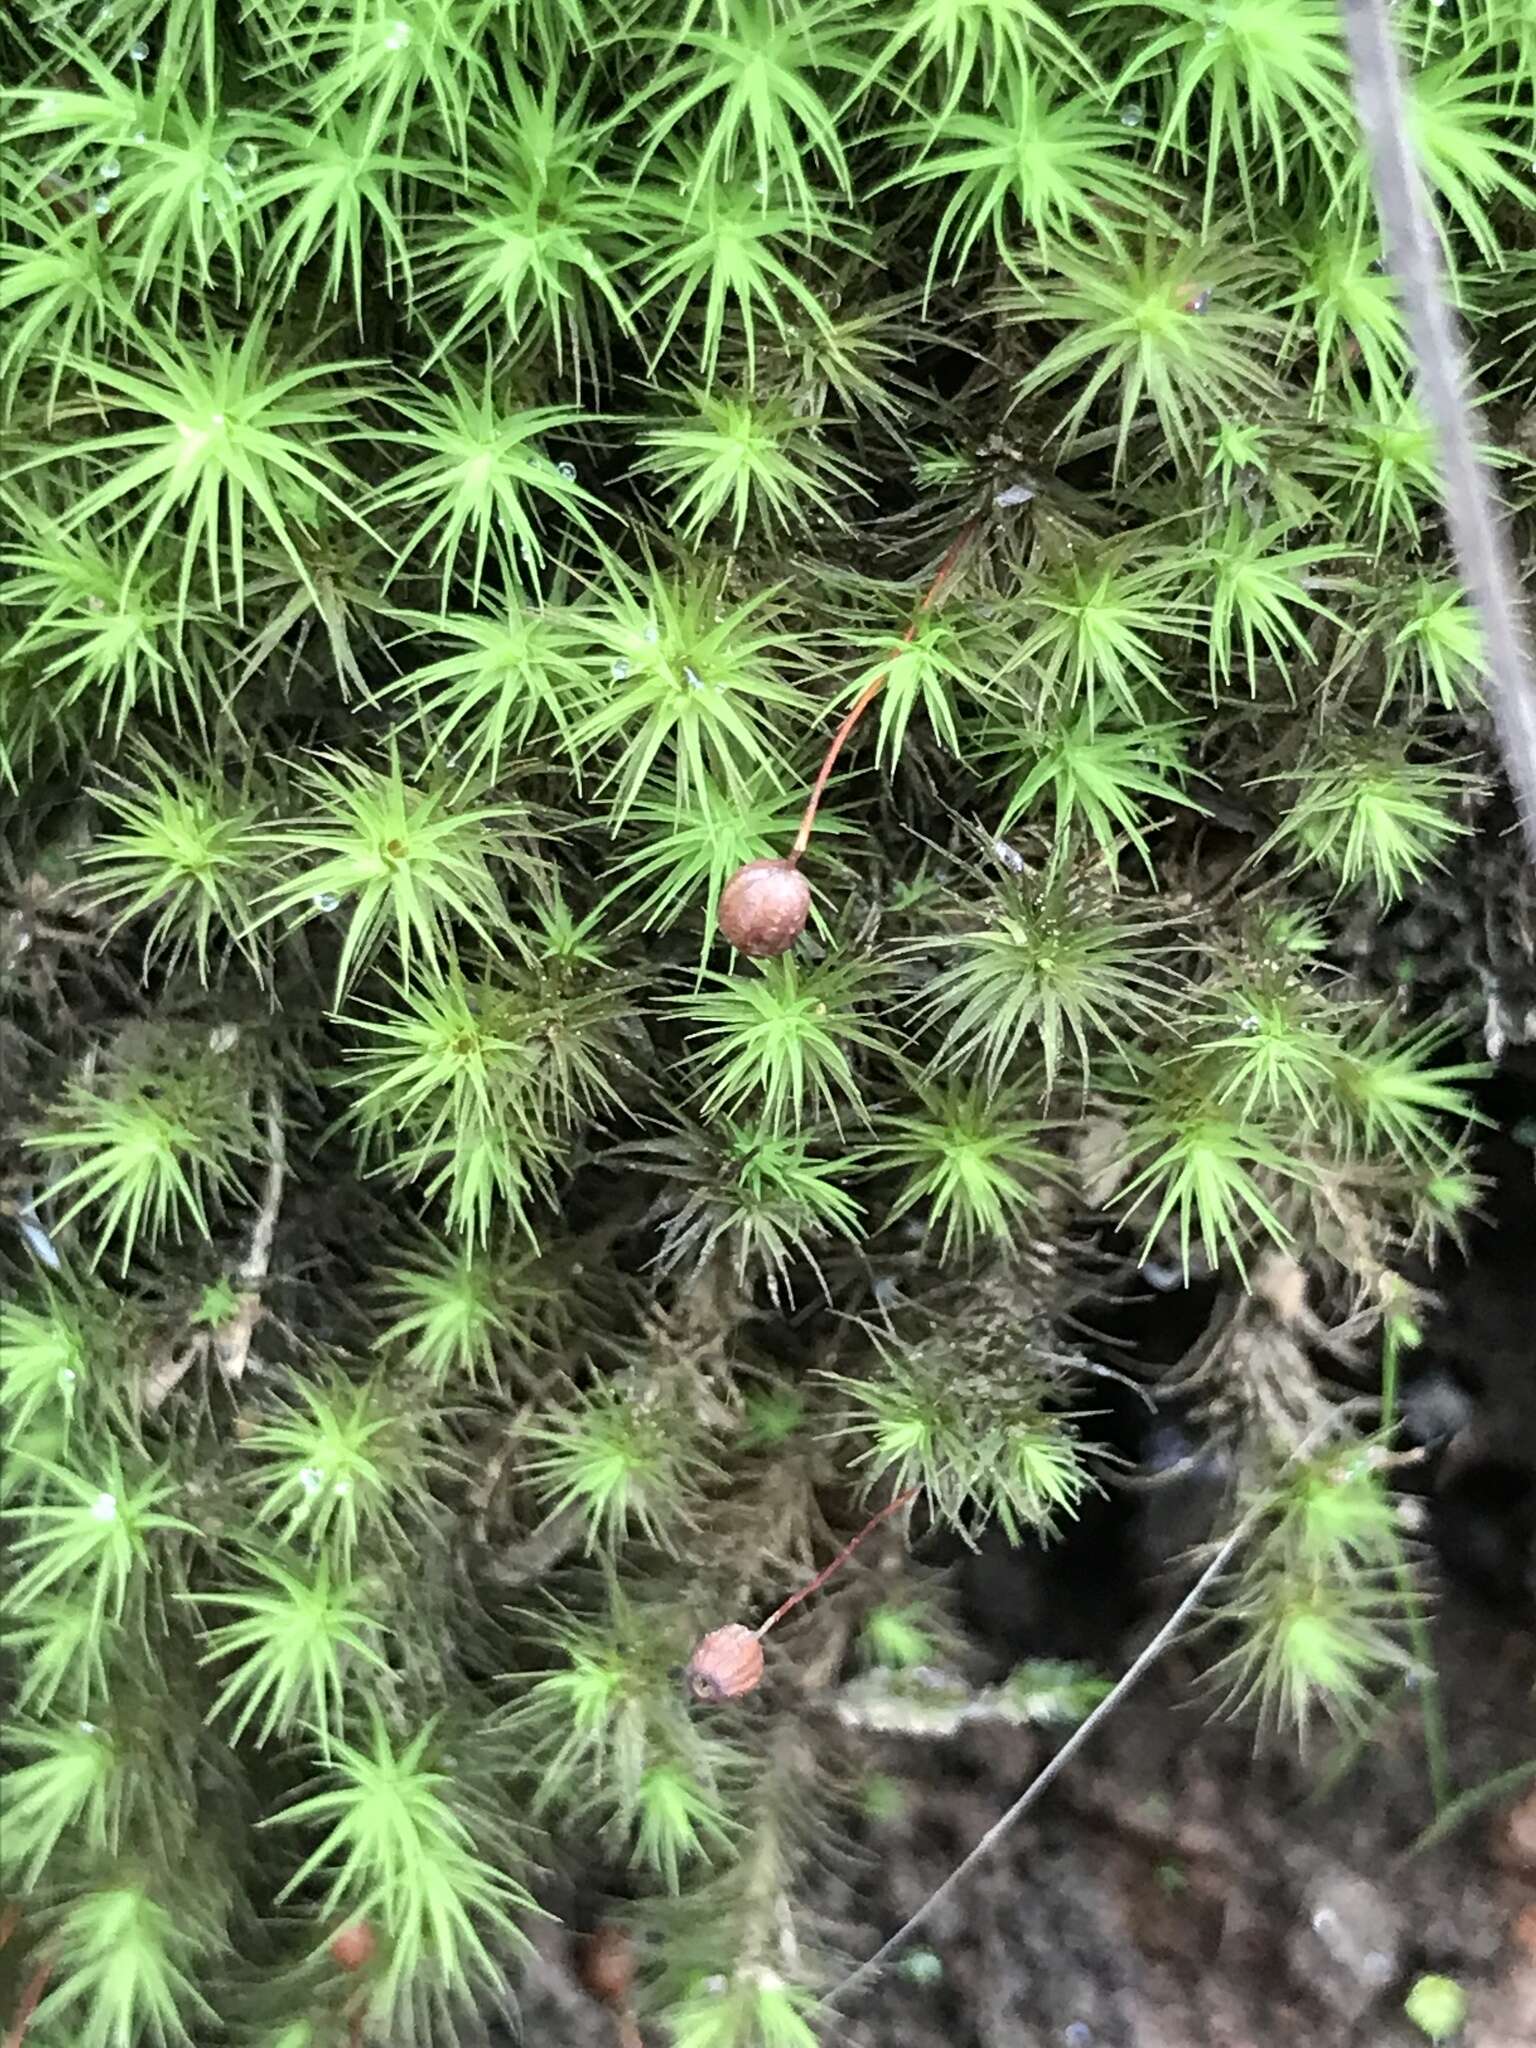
139 135
215 419
399 35
104 1508
138 52
87 1728
1132 114
101 204
95 604
110 169
342 1486
650 636
311 1479
1249 1024
690 676
760 186
621 670
323 899
567 470
242 157
47 107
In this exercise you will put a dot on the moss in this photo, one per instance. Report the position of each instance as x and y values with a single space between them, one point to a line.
470 459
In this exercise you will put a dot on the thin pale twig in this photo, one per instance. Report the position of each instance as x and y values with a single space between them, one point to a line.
232 1340
259 1257
1478 536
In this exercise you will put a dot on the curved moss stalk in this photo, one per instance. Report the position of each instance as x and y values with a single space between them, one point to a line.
875 685
814 1585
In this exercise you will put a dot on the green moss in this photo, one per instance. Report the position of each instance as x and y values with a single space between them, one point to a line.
468 458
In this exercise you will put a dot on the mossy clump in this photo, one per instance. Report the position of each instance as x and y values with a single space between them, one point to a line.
466 460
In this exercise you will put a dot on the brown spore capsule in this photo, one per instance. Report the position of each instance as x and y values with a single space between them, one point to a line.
763 908
352 1948
608 1964
727 1663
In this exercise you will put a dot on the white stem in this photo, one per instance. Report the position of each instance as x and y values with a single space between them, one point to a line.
1478 535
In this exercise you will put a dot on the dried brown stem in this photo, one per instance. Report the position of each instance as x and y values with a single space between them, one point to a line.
230 1343
838 1562
875 685
37 1984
